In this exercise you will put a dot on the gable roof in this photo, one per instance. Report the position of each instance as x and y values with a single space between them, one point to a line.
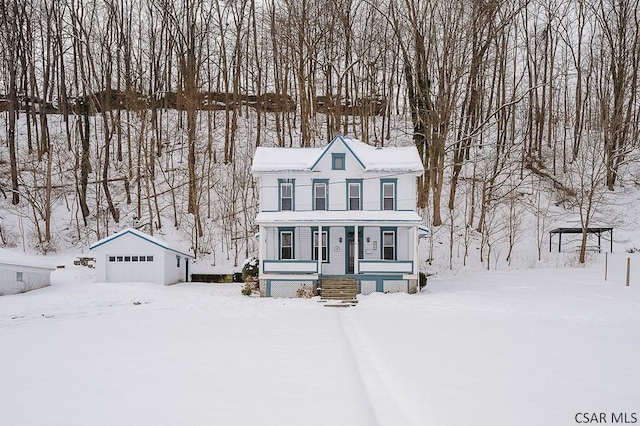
371 158
8 257
138 234
339 140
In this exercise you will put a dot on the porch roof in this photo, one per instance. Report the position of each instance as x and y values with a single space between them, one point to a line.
349 217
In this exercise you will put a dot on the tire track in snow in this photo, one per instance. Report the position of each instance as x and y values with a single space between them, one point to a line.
355 366
384 395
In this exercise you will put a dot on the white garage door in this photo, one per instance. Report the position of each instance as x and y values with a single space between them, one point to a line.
125 268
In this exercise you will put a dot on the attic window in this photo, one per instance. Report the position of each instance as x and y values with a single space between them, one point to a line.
337 162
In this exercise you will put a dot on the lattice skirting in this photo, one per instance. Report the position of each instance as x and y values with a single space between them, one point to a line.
367 286
395 286
284 288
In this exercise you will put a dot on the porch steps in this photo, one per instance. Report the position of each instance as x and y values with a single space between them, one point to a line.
339 292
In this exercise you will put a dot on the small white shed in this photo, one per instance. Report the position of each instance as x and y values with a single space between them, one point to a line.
131 255
20 273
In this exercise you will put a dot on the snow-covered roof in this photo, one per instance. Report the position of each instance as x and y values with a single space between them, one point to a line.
339 217
138 234
272 159
379 159
8 257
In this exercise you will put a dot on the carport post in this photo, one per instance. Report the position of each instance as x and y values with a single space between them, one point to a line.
559 242
611 238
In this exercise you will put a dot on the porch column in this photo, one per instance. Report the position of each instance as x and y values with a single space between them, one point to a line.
356 249
319 249
415 252
261 253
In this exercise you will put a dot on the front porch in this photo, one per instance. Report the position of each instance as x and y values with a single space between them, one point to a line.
381 257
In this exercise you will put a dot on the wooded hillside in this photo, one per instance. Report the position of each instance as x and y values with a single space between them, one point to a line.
147 112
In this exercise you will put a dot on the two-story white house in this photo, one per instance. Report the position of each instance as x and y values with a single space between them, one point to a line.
344 211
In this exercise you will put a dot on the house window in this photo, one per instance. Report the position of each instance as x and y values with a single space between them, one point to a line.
389 245
134 258
388 194
337 161
285 189
142 258
19 277
127 258
119 258
177 261
149 258
325 243
112 258
320 195
286 245
354 195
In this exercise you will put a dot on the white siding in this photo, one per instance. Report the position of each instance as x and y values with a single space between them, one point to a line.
373 233
172 272
269 193
336 252
406 190
404 250
304 193
303 248
130 245
32 278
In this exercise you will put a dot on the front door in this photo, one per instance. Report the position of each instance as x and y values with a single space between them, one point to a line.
351 249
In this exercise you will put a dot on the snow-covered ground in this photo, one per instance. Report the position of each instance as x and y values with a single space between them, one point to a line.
525 347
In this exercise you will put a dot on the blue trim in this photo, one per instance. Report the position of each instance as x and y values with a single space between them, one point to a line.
326 193
359 182
328 147
291 261
129 231
268 292
393 229
334 161
393 181
390 261
293 242
293 194
315 229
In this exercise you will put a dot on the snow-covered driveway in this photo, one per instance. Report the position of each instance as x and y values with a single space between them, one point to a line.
502 348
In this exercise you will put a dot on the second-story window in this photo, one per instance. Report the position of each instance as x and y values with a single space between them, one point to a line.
320 195
354 195
286 195
388 195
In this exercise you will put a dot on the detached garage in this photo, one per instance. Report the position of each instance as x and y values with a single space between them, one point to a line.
131 255
20 273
